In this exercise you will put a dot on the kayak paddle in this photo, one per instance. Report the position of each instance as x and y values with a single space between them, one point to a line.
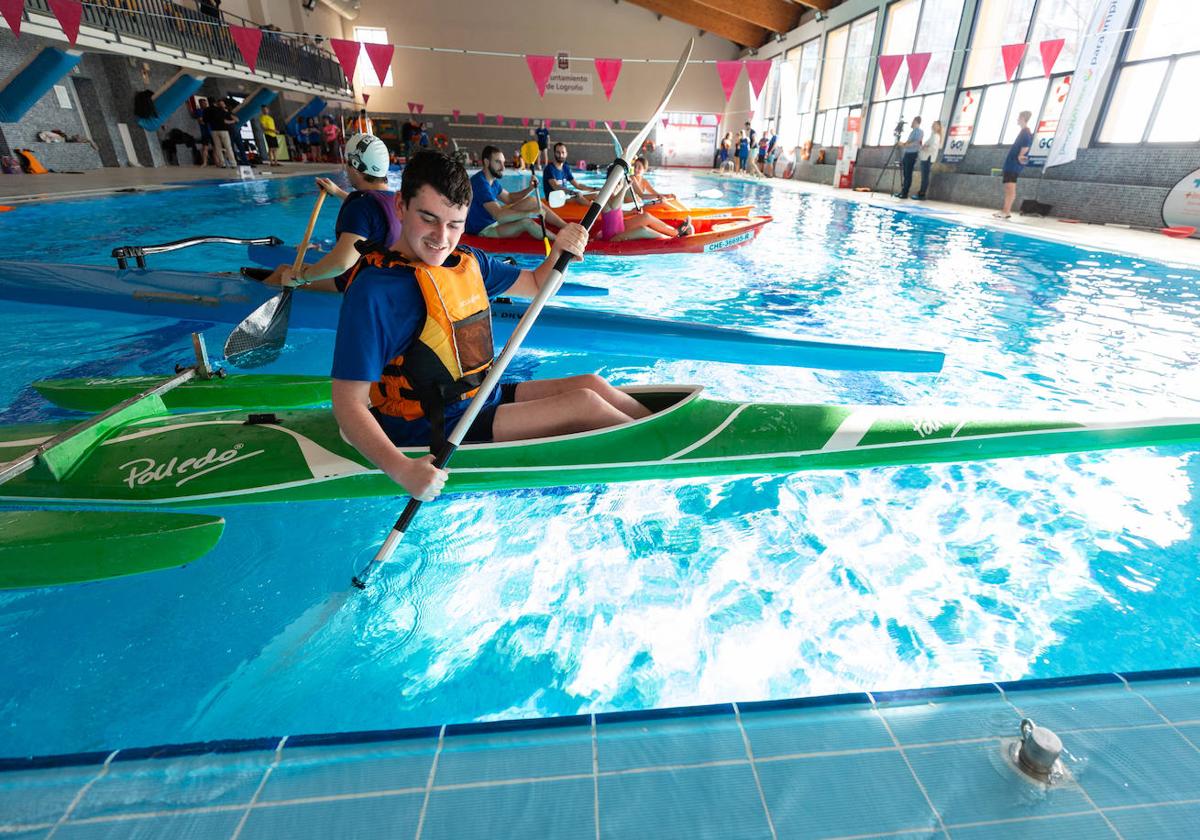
259 339
617 173
47 548
529 154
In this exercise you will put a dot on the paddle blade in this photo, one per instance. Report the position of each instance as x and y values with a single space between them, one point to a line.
1179 231
260 338
51 548
557 199
713 194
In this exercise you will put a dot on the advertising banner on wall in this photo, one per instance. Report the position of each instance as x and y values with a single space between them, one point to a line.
1047 127
1096 54
1182 205
570 82
962 124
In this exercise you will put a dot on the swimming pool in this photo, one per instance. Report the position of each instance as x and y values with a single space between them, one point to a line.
662 593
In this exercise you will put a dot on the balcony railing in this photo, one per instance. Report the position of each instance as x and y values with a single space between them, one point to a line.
200 35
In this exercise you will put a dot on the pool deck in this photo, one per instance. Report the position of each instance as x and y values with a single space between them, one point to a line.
929 763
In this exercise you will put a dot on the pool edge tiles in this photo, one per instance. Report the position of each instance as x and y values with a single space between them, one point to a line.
913 763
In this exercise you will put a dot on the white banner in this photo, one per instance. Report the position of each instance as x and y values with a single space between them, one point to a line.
574 82
1047 126
1095 58
961 126
1182 205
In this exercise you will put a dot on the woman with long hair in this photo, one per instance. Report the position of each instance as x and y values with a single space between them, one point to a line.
928 154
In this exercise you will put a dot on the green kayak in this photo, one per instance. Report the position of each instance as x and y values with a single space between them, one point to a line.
237 455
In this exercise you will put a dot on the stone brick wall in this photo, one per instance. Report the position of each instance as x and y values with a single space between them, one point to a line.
1124 184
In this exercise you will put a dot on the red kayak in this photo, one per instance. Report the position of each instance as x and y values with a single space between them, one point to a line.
710 235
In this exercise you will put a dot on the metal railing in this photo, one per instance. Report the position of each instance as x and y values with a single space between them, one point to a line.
194 33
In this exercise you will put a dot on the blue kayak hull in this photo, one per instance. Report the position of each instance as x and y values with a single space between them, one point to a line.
270 256
228 299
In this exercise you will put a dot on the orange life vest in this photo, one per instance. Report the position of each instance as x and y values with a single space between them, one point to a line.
448 360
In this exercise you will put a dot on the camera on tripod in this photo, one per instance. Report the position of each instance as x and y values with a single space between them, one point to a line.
899 129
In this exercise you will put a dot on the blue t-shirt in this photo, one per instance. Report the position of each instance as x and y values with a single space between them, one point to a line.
362 216
543 137
743 149
1024 140
382 314
562 174
482 193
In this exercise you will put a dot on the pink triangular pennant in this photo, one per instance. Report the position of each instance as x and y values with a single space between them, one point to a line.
457 113
699 120
366 98
499 119
571 123
592 124
1012 53
412 106
381 59
347 53
11 10
757 72
917 62
540 67
608 69
420 107
889 66
719 118
729 72
248 40
524 122
68 13
666 121
481 117
1050 50
623 124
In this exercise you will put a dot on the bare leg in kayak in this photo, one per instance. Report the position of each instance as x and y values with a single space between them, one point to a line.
545 407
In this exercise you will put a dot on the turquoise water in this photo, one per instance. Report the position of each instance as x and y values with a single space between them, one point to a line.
660 593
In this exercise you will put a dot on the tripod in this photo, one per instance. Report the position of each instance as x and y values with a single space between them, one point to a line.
886 164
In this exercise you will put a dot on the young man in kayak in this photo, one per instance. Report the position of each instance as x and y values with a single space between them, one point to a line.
414 339
368 214
494 212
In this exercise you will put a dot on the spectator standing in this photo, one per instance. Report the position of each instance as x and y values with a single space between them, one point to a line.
543 141
1018 157
331 137
928 157
218 119
267 122
743 150
912 150
206 141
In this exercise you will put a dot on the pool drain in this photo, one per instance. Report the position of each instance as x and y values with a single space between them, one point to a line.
1037 753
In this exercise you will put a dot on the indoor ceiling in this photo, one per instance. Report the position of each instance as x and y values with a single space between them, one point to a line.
750 23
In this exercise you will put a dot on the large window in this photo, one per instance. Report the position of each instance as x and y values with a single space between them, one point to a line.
848 58
1001 22
921 26
806 87
364 71
1154 96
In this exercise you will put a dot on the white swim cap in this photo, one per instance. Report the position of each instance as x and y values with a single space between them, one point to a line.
368 154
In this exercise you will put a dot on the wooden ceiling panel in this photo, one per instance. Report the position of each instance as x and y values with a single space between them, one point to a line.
705 17
774 15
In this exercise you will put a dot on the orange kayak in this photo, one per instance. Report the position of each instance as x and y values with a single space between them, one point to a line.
668 211
710 235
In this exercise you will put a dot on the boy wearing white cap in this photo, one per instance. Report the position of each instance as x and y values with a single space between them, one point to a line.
368 213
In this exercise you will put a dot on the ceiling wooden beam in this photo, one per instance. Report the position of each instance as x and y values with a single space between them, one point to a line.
710 20
819 5
774 15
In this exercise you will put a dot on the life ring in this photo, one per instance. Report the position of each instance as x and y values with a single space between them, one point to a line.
441 141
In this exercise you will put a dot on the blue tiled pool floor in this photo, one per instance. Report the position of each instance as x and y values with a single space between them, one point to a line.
925 763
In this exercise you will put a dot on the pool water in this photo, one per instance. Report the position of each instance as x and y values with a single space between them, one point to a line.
594 598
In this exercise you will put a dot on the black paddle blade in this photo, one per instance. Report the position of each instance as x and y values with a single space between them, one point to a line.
260 338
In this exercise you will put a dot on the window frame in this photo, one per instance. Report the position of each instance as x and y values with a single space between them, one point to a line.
863 104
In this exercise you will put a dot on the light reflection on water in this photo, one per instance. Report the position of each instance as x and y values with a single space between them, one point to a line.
664 593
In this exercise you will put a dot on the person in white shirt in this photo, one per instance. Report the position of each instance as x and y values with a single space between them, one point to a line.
928 155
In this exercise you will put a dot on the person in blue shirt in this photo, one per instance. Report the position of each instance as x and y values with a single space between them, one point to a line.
1014 162
543 141
743 151
367 214
414 340
495 212
559 176
908 162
